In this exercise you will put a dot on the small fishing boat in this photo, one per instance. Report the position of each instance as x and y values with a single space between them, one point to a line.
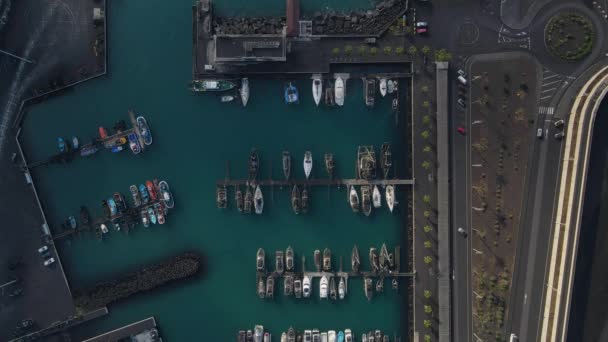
331 336
117 148
135 195
286 164
354 199
72 222
297 288
121 205
260 260
368 288
152 215
390 86
227 98
88 150
326 259
270 287
384 257
160 213
339 90
103 133
318 260
295 199
395 105
323 287
390 197
307 163
104 228
75 143
373 259
395 284
380 285
333 292
112 206
386 159
117 226
238 198
305 201
376 197
370 92
291 94
248 203
342 288
279 262
221 197
306 288
366 202
145 197
144 130
134 143
289 264
317 90
288 285
355 261
165 194
244 91
383 87
144 218
258 200
340 336
261 288
330 165
151 190
61 145
254 164
211 85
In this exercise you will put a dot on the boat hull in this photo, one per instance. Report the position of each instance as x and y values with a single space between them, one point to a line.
317 90
339 92
244 91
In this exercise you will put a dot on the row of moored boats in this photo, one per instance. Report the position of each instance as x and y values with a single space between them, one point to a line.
313 335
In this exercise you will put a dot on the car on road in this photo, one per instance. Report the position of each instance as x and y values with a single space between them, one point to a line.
462 80
462 232
462 103
49 261
422 27
559 135
43 249
539 133
461 130
559 123
460 72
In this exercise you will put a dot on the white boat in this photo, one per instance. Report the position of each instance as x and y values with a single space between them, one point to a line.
323 287
342 288
284 337
317 90
390 86
331 336
324 337
348 335
227 98
306 289
258 200
354 199
383 87
244 91
258 333
390 197
339 91
307 163
104 228
376 197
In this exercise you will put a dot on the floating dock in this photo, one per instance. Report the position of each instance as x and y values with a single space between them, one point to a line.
146 328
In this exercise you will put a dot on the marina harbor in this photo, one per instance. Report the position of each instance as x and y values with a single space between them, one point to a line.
292 335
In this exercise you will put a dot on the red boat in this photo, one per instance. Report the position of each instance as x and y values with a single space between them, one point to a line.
151 190
102 132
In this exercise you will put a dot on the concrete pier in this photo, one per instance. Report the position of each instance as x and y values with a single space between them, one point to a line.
133 329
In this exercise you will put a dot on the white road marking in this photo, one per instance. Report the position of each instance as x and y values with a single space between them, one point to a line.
547 84
546 90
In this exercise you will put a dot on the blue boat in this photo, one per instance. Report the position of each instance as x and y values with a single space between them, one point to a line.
75 143
61 144
117 149
341 336
152 215
291 94
72 221
145 198
134 143
88 150
144 130
112 206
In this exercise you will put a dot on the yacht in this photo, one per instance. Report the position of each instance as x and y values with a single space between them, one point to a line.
238 197
330 165
316 335
380 285
368 288
305 200
355 261
260 260
295 199
291 94
384 257
248 202
297 288
354 199
323 287
373 259
254 164
307 335
144 218
370 92
270 287
331 336
221 197
227 98
104 228
306 287
258 201
307 164
279 262
244 91
383 87
286 164
211 85
267 337
249 336
291 335
390 86
342 288
135 195
390 197
289 259
317 90
258 333
284 337
333 292
386 161
366 203
261 287
326 260
144 130
288 285
324 336
348 335
318 260
339 91
376 197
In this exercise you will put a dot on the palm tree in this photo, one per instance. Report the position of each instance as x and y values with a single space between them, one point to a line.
427 323
427 244
428 259
426 199
427 149
424 89
427 228
399 50
425 134
427 294
348 50
362 49
426 119
427 338
373 51
426 214
426 104
425 50
388 50
426 164
335 51
412 50
428 309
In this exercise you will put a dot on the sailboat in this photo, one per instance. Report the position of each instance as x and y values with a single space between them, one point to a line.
339 91
221 197
326 259
376 197
333 292
239 199
386 161
258 200
354 199
305 200
342 288
260 260
295 199
383 87
368 288
370 92
366 203
323 287
244 91
307 164
373 259
286 164
318 260
390 86
289 265
330 165
248 202
317 90
390 197
355 261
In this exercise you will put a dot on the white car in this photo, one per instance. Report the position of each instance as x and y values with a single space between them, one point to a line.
49 261
43 249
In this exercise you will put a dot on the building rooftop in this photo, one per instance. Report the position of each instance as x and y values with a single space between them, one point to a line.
250 48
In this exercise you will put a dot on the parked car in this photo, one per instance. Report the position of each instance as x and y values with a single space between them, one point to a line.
461 102
422 27
539 133
462 232
559 135
461 130
462 80
559 123
43 249
460 72
49 261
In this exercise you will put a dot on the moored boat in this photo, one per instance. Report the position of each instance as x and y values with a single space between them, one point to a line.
339 90
333 292
370 92
165 194
340 336
227 98
390 197
305 200
121 205
318 260
291 334
249 336
373 259
366 201
331 336
368 288
260 260
354 199
348 335
270 287
376 197
279 263
238 198
160 213
291 93
295 199
151 190
307 163
323 287
117 148
380 285
395 105
221 197
61 145
244 91
329 95
326 259
204 85
286 164
267 337
330 165
144 130
317 90
104 228
288 285
306 287
289 265
384 257
297 288
284 337
390 86
258 200
112 206
103 133
355 260
88 150
342 288
145 220
395 284
134 143
261 287
248 202
254 164
135 195
386 161
75 143
383 87
258 333
72 222
152 215
145 197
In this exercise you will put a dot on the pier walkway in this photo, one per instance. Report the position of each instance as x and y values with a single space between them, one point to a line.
315 182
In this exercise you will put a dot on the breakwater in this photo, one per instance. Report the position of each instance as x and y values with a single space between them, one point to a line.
148 278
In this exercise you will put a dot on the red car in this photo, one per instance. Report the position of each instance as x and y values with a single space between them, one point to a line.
461 130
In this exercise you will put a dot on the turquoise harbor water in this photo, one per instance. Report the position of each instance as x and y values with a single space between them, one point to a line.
194 136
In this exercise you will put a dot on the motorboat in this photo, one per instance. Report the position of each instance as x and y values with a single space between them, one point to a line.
244 91
249 336
364 337
370 92
307 335
333 292
368 288
386 161
306 287
318 260
135 195
297 288
348 335
117 148
261 288
329 95
144 218
258 200
355 261
331 336
288 285
145 197
211 85
390 86
324 336
151 190
104 228
340 336
384 257
165 194
366 162
284 337
395 105
324 287
373 259
75 143
390 197
221 196
354 199
254 164
103 133
378 336
160 213
342 288
88 150
85 217
376 197
370 336
144 130
307 164
238 198
395 284
289 265
383 87
117 226
152 215
366 203
286 164
248 202
61 145
112 206
339 91
291 335
316 335
330 165
279 265
72 222
326 260
227 98
291 94
380 285
305 200
121 205
258 333
295 199
134 143
270 287
267 337
260 260
317 90
241 336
